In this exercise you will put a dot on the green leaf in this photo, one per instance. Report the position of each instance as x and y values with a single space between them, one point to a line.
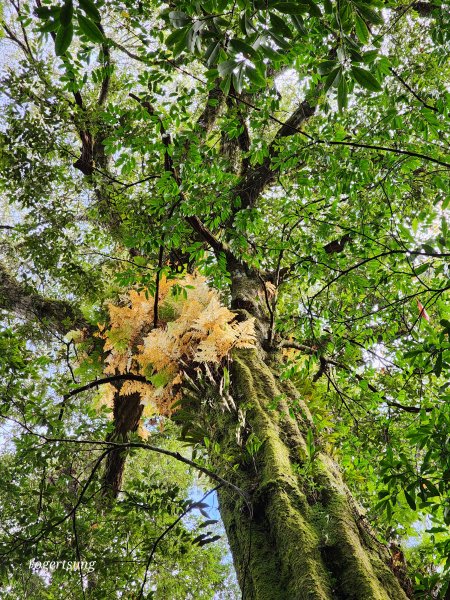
291 8
226 67
422 268
45 12
90 9
333 79
279 27
383 493
369 14
179 18
66 13
182 43
238 78
193 41
175 37
369 56
208 523
210 540
270 52
355 56
255 76
361 30
428 249
299 24
432 489
90 30
240 46
345 15
313 9
211 54
141 261
410 500
225 84
438 365
327 66
63 39
389 511
342 93
51 25
160 379
243 24
310 443
365 79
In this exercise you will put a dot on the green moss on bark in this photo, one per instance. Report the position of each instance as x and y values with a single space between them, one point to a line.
292 547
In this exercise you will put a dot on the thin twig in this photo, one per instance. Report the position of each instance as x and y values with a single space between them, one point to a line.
176 455
411 91
191 506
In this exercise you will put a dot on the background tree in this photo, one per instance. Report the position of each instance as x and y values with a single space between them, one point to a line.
296 156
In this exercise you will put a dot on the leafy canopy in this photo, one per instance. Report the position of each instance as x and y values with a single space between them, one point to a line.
308 140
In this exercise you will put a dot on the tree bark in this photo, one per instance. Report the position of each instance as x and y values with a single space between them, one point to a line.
127 413
306 538
57 316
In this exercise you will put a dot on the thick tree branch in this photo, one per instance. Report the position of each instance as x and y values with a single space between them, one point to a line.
127 413
364 261
194 221
58 315
77 95
296 129
258 178
213 106
13 38
383 149
424 9
235 149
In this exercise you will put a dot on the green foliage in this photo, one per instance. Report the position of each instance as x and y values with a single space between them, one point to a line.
60 19
182 112
115 546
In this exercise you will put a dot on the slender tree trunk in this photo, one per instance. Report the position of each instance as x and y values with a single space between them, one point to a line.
304 537
127 413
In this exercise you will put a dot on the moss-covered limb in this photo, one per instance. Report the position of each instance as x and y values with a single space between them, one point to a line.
304 539
279 504
247 298
57 315
351 547
276 551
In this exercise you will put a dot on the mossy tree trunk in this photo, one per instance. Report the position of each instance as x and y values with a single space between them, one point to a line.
304 537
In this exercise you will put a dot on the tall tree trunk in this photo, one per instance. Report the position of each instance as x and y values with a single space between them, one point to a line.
306 537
